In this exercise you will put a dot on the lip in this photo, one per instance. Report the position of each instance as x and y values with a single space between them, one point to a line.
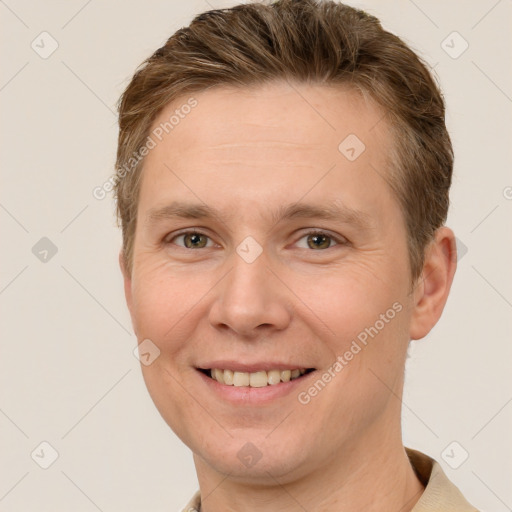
237 366
247 396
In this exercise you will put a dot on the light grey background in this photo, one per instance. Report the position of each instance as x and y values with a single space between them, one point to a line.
67 370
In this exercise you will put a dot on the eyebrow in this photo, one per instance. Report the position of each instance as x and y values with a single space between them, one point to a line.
336 212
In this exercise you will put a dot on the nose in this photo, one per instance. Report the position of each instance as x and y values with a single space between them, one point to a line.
251 301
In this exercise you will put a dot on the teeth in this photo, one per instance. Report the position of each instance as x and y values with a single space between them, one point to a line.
274 377
286 375
240 378
258 379
255 379
228 377
218 375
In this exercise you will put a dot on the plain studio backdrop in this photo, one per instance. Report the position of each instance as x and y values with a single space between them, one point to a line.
68 375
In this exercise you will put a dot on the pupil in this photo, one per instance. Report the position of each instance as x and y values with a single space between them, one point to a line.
318 240
193 240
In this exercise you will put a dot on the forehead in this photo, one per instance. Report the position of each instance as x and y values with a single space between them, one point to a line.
265 143
295 114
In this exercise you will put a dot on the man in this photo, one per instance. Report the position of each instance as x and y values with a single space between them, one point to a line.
283 178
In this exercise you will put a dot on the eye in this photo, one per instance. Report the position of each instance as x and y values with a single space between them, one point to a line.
316 240
191 240
320 240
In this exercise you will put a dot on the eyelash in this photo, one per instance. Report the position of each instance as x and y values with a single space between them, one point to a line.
337 240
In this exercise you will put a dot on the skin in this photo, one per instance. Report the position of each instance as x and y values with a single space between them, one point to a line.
245 153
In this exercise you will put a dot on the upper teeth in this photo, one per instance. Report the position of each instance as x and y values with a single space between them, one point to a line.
255 379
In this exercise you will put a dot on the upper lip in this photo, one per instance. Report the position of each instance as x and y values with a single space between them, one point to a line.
237 366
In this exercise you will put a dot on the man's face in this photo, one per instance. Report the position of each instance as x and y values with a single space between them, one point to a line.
250 290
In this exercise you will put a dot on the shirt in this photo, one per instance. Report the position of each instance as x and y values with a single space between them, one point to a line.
440 495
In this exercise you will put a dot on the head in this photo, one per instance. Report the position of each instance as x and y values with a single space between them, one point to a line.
308 152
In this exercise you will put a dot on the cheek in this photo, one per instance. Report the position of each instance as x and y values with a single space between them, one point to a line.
365 319
162 298
367 365
353 297
177 407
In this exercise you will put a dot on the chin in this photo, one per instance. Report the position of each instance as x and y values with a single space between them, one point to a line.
262 460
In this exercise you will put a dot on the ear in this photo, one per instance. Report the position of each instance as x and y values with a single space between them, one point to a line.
433 286
127 280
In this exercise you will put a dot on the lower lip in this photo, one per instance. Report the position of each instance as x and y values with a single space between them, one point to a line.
245 395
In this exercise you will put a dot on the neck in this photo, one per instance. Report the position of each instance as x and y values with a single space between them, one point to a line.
369 476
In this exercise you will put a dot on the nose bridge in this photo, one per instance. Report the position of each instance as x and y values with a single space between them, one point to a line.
247 288
249 296
249 276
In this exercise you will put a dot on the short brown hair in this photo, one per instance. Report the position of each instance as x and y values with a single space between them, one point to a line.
319 42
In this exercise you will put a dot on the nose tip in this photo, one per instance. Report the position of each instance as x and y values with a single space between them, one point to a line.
250 300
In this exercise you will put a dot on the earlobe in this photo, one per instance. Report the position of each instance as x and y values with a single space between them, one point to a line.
433 286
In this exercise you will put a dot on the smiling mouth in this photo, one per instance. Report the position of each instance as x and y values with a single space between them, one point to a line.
255 379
